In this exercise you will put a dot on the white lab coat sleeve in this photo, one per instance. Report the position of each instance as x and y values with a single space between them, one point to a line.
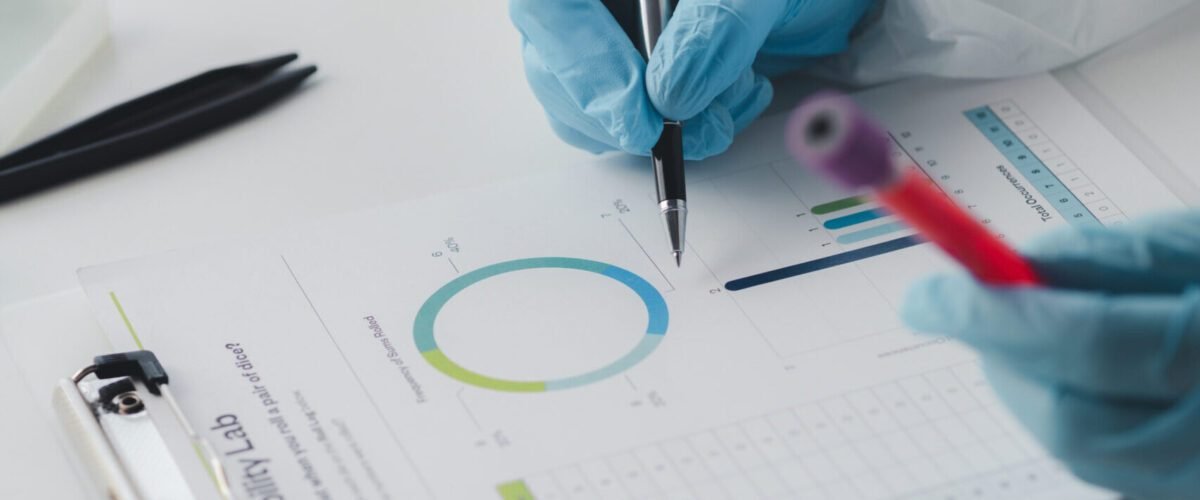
985 38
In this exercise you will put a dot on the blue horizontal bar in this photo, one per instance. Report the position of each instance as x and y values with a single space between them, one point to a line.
870 232
822 263
854 218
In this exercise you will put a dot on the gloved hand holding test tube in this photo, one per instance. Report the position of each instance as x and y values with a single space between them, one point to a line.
830 134
1097 360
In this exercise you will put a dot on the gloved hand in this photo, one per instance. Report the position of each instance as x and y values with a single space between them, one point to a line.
601 95
1103 364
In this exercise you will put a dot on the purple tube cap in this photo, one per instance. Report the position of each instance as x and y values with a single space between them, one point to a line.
829 133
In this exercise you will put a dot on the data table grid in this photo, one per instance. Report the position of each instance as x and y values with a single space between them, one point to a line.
902 439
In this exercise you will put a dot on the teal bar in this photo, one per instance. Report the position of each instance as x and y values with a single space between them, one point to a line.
871 232
854 218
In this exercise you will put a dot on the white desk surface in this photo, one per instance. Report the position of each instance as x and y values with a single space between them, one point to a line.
412 98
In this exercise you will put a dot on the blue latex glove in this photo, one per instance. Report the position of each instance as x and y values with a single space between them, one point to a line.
601 95
1103 366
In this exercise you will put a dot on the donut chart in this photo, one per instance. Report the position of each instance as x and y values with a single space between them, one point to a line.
426 339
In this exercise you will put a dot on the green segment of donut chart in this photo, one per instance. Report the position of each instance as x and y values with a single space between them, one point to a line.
444 365
423 326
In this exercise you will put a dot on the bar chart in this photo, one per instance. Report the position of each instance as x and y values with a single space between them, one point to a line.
1037 166
805 247
806 242
856 227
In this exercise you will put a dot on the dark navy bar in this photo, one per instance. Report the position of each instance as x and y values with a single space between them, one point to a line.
822 263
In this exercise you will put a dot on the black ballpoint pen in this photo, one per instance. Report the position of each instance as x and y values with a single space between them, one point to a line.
643 21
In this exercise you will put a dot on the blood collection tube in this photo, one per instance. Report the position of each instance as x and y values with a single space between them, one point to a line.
829 133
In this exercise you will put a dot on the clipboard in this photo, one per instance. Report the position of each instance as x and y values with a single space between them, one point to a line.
123 422
115 434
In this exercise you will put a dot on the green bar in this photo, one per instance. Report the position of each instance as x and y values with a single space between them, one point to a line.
515 490
841 204
441 362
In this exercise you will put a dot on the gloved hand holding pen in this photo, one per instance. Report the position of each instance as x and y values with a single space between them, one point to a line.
714 58
1104 367
709 68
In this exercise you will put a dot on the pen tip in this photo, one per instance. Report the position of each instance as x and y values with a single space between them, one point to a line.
678 258
268 65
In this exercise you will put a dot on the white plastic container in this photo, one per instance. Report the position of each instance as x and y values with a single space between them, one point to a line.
42 44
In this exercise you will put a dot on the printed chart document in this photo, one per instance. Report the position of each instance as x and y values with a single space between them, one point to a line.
535 339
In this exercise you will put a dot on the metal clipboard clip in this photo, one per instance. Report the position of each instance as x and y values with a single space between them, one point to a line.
131 434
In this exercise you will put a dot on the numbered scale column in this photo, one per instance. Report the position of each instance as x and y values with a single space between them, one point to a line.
1039 160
